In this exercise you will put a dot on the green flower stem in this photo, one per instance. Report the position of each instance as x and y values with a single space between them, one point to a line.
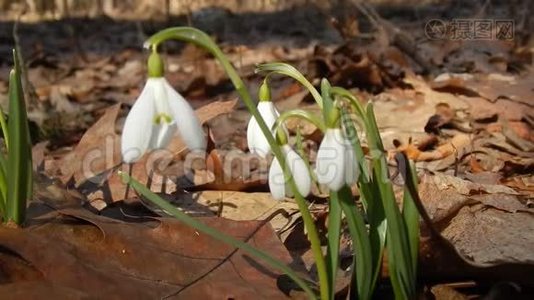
281 136
328 104
339 91
300 114
19 162
189 221
3 183
3 124
289 70
354 102
3 164
334 234
201 39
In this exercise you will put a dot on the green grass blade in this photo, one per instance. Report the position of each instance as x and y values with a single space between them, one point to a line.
19 152
189 221
334 234
363 263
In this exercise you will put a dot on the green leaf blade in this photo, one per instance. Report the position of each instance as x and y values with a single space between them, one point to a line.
363 262
19 177
409 209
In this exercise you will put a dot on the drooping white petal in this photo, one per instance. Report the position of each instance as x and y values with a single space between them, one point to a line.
186 119
257 143
277 184
253 131
352 170
138 126
300 171
330 162
162 134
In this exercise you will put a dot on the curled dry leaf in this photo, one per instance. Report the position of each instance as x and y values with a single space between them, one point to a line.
456 147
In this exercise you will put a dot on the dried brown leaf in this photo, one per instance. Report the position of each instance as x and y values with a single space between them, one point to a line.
83 254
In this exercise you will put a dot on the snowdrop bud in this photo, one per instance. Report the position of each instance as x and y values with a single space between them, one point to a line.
331 159
298 169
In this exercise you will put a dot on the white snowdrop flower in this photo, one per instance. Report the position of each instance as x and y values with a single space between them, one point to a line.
156 116
333 160
298 169
257 143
